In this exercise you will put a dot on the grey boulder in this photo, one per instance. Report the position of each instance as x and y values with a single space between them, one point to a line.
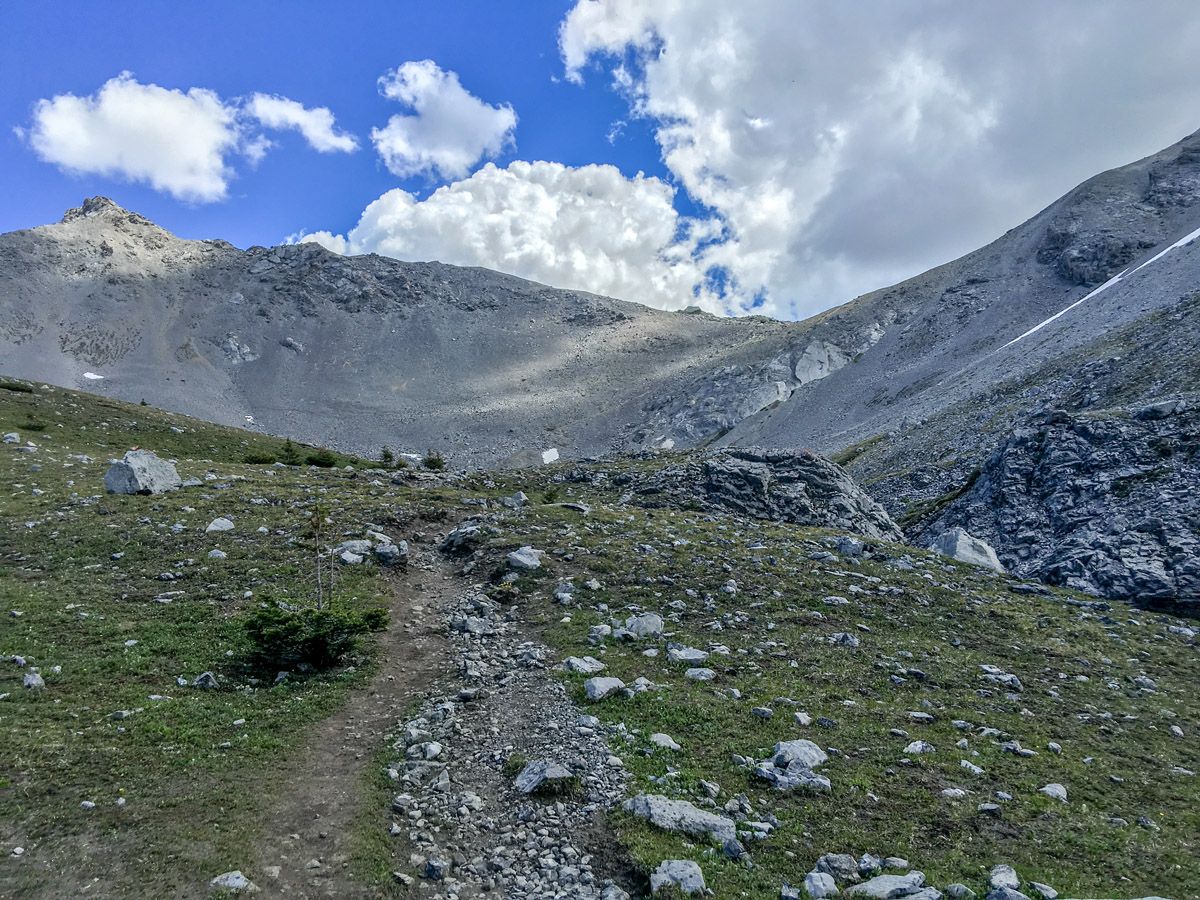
886 887
681 816
958 544
141 472
678 873
542 774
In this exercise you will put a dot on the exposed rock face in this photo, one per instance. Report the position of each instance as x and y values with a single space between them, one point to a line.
780 485
141 472
1106 504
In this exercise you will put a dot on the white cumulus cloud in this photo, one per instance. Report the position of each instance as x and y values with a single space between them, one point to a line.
182 143
449 129
588 228
175 141
846 146
316 124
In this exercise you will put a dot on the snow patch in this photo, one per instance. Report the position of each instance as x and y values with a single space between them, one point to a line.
1186 239
549 456
92 376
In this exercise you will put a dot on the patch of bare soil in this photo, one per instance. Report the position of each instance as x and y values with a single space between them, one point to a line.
308 840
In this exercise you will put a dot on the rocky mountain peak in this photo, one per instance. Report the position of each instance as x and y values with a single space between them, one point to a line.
106 211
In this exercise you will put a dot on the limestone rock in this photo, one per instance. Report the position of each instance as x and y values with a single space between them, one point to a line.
141 472
681 816
678 873
958 544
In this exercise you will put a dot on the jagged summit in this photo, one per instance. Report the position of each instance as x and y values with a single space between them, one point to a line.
103 207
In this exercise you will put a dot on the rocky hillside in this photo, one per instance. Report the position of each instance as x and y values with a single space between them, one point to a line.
580 691
1092 304
1104 502
1116 252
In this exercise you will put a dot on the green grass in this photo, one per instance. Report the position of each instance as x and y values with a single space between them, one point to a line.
195 786
950 625
927 510
846 456
194 807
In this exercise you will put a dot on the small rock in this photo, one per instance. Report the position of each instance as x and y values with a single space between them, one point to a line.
681 873
233 881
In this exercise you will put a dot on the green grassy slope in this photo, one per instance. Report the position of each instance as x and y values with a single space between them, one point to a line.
1105 685
80 572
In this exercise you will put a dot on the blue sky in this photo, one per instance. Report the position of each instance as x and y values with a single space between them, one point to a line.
795 153
313 53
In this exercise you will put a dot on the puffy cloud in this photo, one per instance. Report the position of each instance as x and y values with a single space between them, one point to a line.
179 142
316 124
174 141
449 130
588 228
846 146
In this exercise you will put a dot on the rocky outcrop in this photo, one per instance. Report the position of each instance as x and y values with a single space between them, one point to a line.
1105 503
780 485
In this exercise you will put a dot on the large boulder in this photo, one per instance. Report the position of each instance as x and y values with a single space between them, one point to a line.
780 485
682 874
958 544
141 472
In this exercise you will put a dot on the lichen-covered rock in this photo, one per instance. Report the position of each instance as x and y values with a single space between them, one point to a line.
141 472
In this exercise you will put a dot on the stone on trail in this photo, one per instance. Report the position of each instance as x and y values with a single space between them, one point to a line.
958 544
678 873
141 472
542 774
681 816
392 554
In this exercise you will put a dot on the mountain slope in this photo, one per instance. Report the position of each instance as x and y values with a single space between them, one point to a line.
368 351
957 330
117 780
